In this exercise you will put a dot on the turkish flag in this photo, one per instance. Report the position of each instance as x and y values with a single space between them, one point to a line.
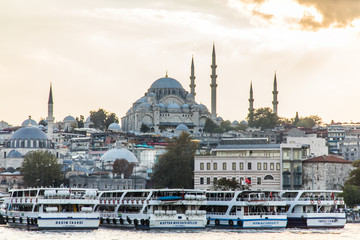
247 180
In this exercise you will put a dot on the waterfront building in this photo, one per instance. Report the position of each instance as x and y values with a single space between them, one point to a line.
336 134
328 172
350 146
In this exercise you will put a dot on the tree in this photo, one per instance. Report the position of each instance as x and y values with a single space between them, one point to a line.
144 128
80 121
122 166
296 119
351 194
354 177
264 118
175 167
226 184
40 168
101 119
309 122
226 126
211 127
43 122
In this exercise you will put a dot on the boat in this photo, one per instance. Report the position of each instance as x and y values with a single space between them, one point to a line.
314 208
245 209
152 208
52 208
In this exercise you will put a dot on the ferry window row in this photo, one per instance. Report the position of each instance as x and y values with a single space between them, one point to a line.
241 180
260 166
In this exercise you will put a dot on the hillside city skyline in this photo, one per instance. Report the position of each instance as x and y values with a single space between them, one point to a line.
105 54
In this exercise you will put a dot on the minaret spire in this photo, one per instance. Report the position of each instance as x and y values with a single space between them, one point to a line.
275 92
50 119
213 84
251 106
192 78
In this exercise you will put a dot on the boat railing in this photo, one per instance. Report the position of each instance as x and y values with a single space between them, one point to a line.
321 199
254 199
264 213
215 213
219 198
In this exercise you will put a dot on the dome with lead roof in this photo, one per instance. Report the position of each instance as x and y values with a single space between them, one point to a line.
69 119
114 127
29 133
166 82
119 153
27 121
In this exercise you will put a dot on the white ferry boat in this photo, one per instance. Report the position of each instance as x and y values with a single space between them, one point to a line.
245 209
52 208
152 208
314 208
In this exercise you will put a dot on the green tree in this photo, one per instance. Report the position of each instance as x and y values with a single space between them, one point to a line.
43 122
144 128
175 167
296 119
40 168
354 177
226 126
226 184
211 127
264 118
80 121
309 122
351 194
122 166
101 119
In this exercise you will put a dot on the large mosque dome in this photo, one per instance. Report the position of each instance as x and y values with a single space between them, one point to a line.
166 82
29 133
118 153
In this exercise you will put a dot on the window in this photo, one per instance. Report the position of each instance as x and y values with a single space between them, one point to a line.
215 179
224 166
268 177
233 166
201 180
259 166
215 166
249 166
208 166
265 166
202 166
241 166
258 181
208 181
271 166
277 166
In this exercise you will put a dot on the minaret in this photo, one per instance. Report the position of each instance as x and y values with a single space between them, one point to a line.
192 78
213 84
50 119
275 92
251 106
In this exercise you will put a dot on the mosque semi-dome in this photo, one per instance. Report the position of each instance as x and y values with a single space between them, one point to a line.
14 154
119 153
182 127
166 82
27 121
69 119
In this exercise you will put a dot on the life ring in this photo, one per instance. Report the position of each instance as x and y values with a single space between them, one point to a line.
136 222
341 202
318 202
121 221
335 201
231 222
147 222
312 202
217 222
142 221
114 220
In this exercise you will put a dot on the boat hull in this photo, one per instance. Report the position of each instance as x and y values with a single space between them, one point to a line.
248 222
316 222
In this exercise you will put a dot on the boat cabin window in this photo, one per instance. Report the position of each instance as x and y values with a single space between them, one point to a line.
105 208
215 209
129 209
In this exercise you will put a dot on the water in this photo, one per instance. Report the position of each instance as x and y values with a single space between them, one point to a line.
351 231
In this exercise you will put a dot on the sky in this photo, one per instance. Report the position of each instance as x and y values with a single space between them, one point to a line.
107 53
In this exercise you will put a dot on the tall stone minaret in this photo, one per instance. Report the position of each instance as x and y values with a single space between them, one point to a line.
192 78
213 84
275 92
251 106
50 119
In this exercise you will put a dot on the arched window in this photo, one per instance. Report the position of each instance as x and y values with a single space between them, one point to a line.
268 177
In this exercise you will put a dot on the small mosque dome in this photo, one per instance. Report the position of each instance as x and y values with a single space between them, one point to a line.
235 122
114 127
27 121
69 119
185 108
219 119
144 106
189 97
243 122
173 107
182 127
203 108
166 82
162 107
151 94
119 153
14 154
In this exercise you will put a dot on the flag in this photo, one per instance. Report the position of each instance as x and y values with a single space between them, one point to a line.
271 195
332 196
247 180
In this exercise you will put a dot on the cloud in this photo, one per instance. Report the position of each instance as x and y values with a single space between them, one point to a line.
334 13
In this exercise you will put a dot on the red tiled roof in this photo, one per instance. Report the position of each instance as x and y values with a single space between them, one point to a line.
327 159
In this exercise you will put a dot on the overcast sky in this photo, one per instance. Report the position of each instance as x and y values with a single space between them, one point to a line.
106 54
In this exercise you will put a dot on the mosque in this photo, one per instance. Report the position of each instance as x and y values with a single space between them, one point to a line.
167 105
